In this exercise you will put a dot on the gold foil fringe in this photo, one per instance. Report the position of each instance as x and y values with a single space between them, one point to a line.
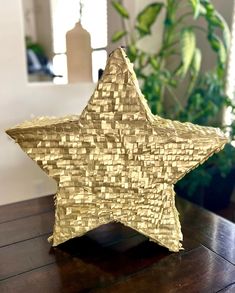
117 161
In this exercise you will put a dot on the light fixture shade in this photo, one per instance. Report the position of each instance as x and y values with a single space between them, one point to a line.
78 51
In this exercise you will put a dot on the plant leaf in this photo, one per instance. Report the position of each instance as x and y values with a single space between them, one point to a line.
188 45
195 5
222 53
147 17
118 35
214 41
197 8
226 30
215 19
154 63
120 9
132 52
208 7
195 69
196 62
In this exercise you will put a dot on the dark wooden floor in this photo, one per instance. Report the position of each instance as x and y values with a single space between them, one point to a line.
113 258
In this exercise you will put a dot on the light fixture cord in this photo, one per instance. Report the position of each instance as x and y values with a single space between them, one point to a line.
80 10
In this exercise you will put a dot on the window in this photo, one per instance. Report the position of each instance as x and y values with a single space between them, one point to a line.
94 19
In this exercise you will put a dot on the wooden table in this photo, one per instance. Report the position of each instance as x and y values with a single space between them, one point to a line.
113 258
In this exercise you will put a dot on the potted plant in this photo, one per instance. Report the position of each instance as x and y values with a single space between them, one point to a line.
178 61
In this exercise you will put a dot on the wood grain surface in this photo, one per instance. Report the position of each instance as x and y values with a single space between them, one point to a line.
113 258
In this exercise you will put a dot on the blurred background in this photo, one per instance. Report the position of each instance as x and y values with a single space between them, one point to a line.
53 51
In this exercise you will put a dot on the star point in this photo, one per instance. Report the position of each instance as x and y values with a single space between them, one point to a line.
117 161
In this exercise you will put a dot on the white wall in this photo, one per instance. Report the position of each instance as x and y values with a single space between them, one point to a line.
21 178
43 24
29 19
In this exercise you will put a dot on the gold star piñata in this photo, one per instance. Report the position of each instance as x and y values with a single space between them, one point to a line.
117 161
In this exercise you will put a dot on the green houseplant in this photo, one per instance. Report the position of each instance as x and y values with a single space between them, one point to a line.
177 65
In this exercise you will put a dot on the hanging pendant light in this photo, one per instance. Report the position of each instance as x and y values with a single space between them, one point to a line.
78 47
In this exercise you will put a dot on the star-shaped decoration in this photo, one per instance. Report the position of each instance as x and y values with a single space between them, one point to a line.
117 161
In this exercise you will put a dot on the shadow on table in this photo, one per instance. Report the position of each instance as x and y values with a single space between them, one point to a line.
103 255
